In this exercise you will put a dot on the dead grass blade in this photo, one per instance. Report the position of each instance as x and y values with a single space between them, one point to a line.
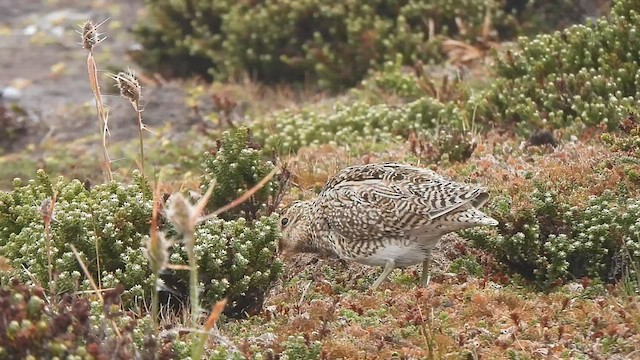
242 198
95 288
211 321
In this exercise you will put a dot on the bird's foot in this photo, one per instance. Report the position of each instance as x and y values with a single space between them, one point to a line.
388 268
425 280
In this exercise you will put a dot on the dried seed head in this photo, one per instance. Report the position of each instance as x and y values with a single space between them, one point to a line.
156 250
90 35
182 214
129 86
46 210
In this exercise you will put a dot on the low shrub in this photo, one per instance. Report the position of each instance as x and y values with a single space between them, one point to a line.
236 165
565 215
585 75
334 43
30 328
108 223
288 131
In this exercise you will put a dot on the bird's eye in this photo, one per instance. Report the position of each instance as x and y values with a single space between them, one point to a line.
284 221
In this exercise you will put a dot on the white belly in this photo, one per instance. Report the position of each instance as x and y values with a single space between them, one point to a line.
401 255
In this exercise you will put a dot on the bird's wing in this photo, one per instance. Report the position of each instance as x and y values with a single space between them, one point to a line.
391 198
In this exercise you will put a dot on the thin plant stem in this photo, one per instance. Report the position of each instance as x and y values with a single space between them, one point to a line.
131 90
48 216
141 127
155 300
102 112
97 291
98 270
189 240
196 351
90 39
141 142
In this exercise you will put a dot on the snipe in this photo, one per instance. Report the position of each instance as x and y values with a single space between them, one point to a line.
389 215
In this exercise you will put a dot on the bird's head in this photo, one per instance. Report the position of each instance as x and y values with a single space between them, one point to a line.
295 228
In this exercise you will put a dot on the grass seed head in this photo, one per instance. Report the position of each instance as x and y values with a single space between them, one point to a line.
182 214
90 35
129 86
157 251
46 209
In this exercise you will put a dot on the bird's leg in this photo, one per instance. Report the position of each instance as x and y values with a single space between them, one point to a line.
388 268
426 265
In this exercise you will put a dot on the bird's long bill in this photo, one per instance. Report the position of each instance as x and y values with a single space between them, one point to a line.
281 251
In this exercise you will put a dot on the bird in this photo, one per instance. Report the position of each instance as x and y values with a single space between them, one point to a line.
382 214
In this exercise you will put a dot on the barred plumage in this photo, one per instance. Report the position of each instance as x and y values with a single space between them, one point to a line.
388 215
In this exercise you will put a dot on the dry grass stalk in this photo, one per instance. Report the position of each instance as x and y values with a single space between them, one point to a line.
156 250
90 38
185 217
211 322
46 211
244 197
95 288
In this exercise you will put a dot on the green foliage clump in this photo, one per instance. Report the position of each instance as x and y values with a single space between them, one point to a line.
237 165
412 83
298 348
584 75
566 222
237 252
106 224
467 265
335 43
355 123
556 241
109 223
392 78
236 259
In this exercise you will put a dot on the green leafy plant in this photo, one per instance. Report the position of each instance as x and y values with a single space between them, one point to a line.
582 76
108 224
565 221
335 43
235 166
298 348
